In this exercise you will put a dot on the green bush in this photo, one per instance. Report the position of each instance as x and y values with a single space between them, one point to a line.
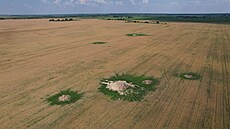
74 96
136 34
99 42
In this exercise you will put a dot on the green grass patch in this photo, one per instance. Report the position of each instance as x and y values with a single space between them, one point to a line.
136 34
189 76
132 93
99 42
73 97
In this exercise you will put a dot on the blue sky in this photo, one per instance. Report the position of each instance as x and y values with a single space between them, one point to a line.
113 6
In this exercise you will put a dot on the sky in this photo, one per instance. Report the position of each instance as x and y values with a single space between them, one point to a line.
113 6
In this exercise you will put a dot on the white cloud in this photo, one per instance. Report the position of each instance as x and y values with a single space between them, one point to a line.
221 1
94 2
56 1
76 2
195 2
70 3
132 2
44 1
82 1
119 3
88 2
101 1
173 3
145 1
139 2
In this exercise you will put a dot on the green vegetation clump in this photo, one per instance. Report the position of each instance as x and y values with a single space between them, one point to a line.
64 97
138 87
190 76
99 42
66 19
200 18
136 34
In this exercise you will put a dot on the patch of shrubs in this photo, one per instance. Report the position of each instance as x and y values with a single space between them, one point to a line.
136 34
66 19
136 87
99 42
64 97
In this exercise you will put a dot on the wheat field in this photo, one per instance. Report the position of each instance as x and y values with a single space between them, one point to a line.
39 58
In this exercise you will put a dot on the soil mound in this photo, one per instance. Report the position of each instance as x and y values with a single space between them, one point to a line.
64 98
119 86
188 76
147 82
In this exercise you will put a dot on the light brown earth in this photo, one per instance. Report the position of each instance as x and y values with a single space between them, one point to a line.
39 58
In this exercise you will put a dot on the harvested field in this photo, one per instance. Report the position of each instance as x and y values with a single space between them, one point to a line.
39 58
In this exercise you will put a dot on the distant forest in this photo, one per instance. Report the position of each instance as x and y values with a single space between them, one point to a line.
202 18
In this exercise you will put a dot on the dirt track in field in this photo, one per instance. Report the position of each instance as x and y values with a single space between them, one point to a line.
39 58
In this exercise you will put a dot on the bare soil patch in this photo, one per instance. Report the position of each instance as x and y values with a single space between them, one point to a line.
190 76
64 98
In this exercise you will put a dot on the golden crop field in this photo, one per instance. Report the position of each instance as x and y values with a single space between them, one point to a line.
39 58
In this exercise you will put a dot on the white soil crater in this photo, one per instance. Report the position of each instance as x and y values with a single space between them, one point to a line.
147 82
188 76
119 86
64 98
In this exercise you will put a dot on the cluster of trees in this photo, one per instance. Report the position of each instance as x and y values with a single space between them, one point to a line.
133 21
120 18
66 19
155 22
202 17
123 16
116 19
